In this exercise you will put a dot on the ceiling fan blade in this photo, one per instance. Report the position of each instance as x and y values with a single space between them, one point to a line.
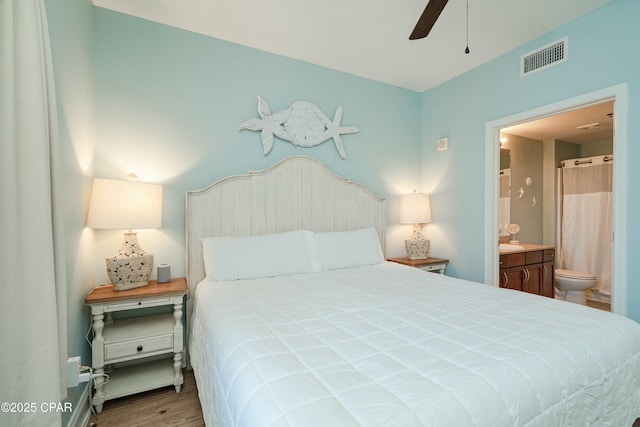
428 19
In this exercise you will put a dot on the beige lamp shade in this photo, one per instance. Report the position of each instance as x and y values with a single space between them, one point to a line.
125 205
415 208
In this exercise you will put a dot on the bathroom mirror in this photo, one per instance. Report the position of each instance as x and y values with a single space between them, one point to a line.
504 203
505 158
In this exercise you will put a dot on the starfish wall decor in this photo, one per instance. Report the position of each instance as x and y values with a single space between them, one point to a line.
302 124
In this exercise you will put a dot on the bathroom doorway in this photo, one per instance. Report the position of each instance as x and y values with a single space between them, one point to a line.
561 169
613 99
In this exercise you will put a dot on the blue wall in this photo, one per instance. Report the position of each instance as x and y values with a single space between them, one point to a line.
70 32
602 53
169 103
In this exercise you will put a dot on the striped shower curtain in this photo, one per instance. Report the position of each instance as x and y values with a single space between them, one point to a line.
585 222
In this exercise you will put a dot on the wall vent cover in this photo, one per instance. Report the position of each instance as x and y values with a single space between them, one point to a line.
543 58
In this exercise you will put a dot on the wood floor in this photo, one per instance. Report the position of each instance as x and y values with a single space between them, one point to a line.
599 305
161 407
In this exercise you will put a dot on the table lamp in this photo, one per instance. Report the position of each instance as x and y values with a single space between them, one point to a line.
415 209
126 205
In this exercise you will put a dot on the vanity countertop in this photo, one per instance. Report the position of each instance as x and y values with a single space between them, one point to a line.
526 247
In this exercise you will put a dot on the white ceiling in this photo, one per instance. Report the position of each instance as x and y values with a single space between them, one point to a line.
368 38
584 125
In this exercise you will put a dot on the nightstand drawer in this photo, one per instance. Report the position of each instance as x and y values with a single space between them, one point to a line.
137 348
433 267
134 304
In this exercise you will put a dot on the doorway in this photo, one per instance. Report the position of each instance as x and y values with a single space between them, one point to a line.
617 95
576 147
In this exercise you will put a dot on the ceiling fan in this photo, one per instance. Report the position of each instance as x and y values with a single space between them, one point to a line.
428 19
430 16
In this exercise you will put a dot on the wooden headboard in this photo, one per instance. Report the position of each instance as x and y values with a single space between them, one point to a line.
298 192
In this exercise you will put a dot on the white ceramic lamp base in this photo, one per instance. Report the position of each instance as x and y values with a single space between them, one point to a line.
417 249
131 266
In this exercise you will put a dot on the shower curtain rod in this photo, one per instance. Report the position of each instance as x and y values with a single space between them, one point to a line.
585 161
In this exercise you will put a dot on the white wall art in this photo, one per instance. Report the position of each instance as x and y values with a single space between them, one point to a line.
302 124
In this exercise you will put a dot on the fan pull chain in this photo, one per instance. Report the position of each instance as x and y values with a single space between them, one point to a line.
467 49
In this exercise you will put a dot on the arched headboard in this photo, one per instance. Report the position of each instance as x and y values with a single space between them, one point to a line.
298 192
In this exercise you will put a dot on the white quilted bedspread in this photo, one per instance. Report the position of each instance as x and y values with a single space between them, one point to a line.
389 345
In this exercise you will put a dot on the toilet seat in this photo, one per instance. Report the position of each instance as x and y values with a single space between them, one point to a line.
575 275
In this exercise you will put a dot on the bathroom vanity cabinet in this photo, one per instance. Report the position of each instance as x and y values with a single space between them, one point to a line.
531 269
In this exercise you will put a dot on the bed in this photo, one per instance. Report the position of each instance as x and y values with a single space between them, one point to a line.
295 318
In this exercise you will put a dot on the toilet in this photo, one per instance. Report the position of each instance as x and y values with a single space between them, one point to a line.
573 284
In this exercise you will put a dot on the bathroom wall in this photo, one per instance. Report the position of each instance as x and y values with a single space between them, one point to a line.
526 162
597 148
568 150
538 160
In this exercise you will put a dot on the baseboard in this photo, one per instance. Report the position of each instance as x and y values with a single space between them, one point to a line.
81 410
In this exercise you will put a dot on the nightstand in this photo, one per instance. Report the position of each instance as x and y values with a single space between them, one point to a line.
438 265
135 352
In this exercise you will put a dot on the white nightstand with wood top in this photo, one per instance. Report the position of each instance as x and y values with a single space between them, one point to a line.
138 349
437 265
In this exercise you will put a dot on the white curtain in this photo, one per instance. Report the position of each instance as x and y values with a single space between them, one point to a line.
586 226
33 304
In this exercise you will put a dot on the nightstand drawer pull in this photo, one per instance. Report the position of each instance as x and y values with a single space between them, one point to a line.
138 348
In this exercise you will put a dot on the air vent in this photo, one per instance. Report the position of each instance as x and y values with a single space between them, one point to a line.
543 58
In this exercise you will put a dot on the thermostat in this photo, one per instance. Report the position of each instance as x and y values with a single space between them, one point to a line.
443 144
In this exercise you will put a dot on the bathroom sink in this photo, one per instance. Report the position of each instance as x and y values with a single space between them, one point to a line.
510 247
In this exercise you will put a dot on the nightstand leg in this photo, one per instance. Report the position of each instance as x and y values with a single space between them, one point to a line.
98 361
177 356
177 366
98 397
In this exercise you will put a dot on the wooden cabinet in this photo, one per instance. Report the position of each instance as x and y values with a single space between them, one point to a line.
529 271
548 273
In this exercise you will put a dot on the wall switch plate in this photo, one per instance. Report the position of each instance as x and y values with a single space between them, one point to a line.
443 144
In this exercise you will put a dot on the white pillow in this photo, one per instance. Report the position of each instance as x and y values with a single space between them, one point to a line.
250 257
344 249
